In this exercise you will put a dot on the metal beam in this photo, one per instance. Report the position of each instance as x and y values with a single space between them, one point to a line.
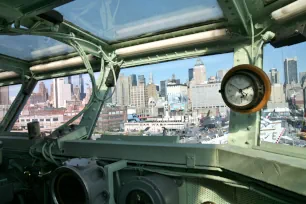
244 129
13 64
15 109
174 55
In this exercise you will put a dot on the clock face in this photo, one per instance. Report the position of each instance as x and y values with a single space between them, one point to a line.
240 90
245 89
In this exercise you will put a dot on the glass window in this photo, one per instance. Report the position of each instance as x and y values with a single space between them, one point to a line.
27 47
7 96
54 100
117 20
283 119
187 104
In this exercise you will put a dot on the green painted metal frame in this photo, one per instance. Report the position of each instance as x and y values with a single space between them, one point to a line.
244 128
15 109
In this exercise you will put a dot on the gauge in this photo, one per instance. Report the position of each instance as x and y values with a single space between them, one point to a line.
245 89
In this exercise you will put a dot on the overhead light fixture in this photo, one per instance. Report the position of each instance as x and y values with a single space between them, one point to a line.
290 11
202 37
61 64
8 75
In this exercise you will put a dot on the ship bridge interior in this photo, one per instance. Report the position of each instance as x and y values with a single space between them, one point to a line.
55 39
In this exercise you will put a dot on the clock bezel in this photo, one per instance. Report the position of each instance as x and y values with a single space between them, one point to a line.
260 81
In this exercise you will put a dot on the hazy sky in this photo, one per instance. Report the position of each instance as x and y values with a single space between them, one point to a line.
273 58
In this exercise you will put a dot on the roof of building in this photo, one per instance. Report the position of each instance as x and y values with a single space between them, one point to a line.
199 62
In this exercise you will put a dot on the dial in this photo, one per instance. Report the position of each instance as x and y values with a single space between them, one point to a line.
239 90
245 88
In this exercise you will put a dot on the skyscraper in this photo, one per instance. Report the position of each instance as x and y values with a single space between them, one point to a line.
61 93
274 76
302 74
141 79
151 81
4 95
68 80
163 88
290 70
199 72
43 91
220 74
190 74
81 85
122 93
133 80
139 97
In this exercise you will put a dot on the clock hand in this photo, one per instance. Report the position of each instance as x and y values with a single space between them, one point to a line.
234 86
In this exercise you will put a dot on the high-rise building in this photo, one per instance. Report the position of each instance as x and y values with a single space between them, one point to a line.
220 74
68 80
163 89
82 88
199 72
277 93
121 95
190 74
301 75
290 70
151 81
152 92
274 76
133 80
157 87
139 97
61 93
4 95
43 91
141 79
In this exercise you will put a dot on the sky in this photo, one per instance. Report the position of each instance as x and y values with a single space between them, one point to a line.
273 58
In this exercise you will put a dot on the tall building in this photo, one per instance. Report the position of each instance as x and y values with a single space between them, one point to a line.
163 88
277 93
68 80
139 97
76 92
133 80
141 79
152 92
220 74
151 81
199 72
190 74
121 95
61 93
43 91
82 88
301 75
4 95
274 76
157 87
290 70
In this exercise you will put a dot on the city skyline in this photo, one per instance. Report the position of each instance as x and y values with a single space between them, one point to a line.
164 71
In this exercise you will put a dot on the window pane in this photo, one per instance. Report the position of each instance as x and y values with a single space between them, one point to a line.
152 100
283 119
29 47
55 101
7 96
117 20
